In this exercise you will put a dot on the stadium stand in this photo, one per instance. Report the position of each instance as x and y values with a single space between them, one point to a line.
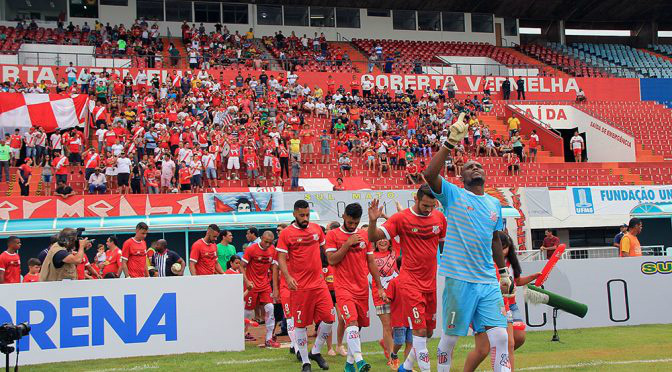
561 61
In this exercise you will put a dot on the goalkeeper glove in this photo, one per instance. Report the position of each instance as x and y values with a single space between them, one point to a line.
505 283
458 131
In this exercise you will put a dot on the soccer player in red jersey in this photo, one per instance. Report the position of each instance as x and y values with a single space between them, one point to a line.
309 296
203 256
33 275
422 230
351 255
10 262
134 253
112 262
257 261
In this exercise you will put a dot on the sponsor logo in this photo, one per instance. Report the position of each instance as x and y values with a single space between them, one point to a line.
660 267
424 357
583 200
415 229
441 357
504 361
83 321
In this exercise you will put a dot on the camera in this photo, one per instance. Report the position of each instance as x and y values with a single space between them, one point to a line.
10 332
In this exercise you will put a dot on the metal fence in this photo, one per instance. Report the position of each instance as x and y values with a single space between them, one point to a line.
592 252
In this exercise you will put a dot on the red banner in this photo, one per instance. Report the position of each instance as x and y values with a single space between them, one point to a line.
536 88
99 206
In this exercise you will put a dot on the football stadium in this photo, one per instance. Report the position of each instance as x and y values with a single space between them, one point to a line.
205 185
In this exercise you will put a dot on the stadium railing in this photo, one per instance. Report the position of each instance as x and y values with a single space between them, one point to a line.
590 252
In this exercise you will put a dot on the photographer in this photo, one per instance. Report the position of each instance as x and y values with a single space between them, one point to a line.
60 262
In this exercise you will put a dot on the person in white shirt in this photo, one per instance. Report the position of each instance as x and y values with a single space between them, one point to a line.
167 173
117 148
210 166
56 142
196 166
97 182
123 172
72 74
141 79
184 155
100 134
578 145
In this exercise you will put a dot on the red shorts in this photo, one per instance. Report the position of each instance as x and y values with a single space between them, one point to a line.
255 298
311 306
285 299
577 151
353 309
419 308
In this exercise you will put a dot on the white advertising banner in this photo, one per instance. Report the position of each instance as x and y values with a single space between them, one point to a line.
91 319
615 200
618 291
604 142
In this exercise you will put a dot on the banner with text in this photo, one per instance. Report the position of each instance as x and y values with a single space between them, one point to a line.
604 142
85 319
615 200
536 88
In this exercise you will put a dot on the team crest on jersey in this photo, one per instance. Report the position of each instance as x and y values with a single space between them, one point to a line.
435 229
299 240
493 216
415 229
316 237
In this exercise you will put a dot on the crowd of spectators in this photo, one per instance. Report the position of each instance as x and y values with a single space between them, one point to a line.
299 52
219 48
190 131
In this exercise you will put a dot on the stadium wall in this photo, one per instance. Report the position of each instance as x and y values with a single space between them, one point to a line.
371 27
656 90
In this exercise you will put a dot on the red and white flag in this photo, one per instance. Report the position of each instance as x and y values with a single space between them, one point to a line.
49 111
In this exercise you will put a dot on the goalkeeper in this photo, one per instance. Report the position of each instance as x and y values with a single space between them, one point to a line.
471 293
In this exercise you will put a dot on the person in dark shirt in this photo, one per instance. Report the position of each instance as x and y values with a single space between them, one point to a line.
619 236
63 190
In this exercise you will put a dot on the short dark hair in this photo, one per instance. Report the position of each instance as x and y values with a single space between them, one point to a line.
113 239
223 233
425 190
253 230
334 225
34 262
634 222
353 210
231 260
141 226
301 204
12 239
213 227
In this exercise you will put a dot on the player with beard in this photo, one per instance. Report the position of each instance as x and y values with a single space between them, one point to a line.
472 294
309 297
421 230
350 254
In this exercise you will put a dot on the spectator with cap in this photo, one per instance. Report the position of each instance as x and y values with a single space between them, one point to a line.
617 239
630 246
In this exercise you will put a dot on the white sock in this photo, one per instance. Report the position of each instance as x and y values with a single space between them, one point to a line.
444 354
323 332
270 320
349 358
249 314
421 352
410 360
302 344
291 332
499 339
354 343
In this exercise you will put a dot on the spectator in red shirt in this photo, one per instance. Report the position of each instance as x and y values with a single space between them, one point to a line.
23 175
550 243
60 165
15 143
10 262
412 173
533 145
134 253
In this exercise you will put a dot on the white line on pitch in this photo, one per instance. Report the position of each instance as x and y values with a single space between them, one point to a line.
141 367
595 363
268 360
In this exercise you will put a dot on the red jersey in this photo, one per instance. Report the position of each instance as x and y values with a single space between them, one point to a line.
10 263
204 256
419 239
135 254
396 313
351 274
15 141
81 267
258 268
31 278
303 249
113 256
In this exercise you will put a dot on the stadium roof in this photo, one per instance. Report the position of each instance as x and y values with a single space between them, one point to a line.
568 10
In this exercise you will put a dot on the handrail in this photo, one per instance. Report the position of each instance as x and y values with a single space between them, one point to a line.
600 117
583 253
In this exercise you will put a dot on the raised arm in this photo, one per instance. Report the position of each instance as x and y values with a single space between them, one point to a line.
458 131
375 212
